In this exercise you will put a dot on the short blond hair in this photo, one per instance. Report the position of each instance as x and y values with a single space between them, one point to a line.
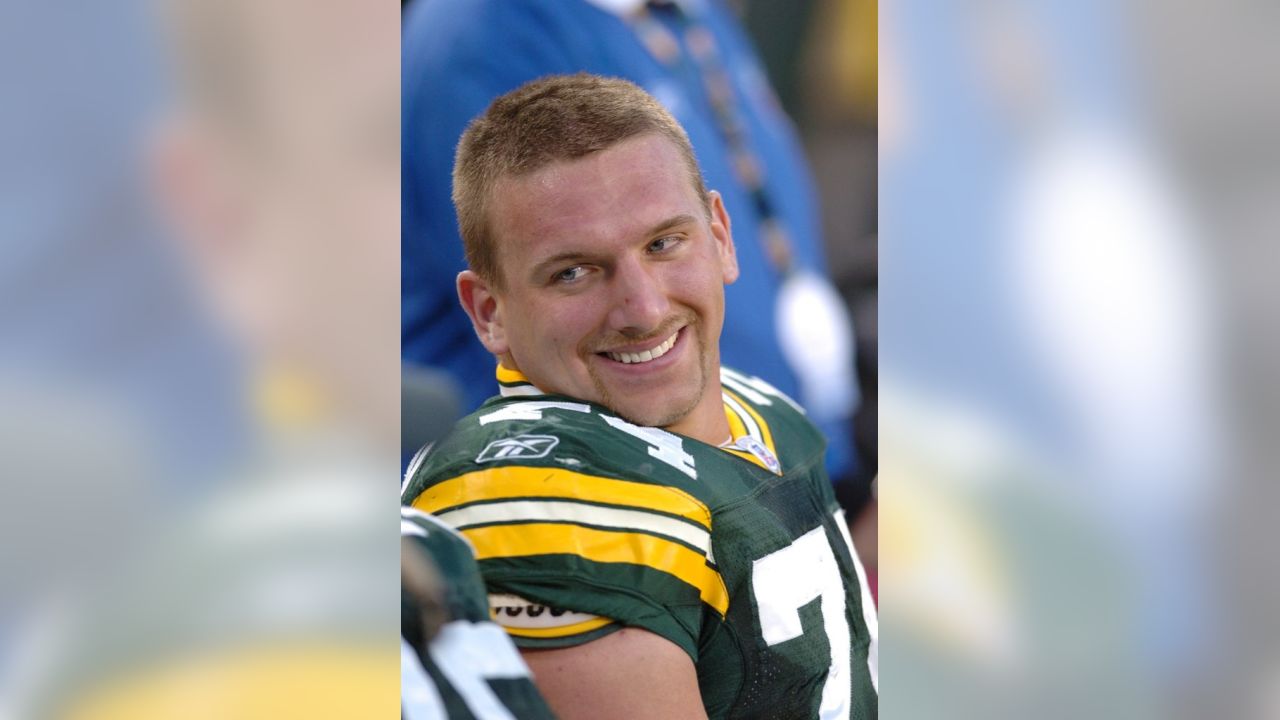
561 117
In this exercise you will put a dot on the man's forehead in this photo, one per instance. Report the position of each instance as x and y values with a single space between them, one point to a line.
625 188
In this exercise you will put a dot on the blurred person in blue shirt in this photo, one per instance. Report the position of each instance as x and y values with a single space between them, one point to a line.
785 323
95 303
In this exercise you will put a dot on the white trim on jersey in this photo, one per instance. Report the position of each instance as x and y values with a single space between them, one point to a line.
416 462
519 390
869 614
581 513
748 422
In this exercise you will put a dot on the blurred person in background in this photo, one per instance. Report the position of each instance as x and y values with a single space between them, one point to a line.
1053 383
97 309
256 192
118 398
1129 351
786 324
273 593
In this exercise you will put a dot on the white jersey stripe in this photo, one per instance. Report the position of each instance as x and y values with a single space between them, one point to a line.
753 429
575 512
415 463
519 390
869 614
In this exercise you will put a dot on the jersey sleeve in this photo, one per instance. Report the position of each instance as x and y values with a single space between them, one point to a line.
535 625
577 534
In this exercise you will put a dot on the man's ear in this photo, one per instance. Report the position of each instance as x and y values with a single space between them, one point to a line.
720 231
484 307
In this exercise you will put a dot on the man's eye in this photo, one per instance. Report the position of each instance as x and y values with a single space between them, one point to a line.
663 244
569 275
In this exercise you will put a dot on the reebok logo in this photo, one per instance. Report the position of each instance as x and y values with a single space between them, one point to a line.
523 447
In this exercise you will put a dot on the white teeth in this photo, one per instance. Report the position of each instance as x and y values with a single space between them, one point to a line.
646 355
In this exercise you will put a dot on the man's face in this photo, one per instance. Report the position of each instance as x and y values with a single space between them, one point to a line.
614 282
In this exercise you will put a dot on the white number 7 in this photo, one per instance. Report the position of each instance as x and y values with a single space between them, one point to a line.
786 580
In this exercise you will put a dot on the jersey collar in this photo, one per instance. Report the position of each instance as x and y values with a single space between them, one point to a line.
751 439
513 383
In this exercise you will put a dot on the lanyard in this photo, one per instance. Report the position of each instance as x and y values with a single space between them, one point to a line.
685 46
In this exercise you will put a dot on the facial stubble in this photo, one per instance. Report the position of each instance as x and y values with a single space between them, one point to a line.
675 415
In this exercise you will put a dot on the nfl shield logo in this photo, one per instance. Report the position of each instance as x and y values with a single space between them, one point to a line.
758 449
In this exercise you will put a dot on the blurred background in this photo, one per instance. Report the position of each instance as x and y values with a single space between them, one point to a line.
199 368
1076 203
1077 213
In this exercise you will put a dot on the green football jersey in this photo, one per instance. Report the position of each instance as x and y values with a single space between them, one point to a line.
584 523
467 669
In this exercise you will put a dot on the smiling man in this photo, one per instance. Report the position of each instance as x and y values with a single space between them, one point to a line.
657 533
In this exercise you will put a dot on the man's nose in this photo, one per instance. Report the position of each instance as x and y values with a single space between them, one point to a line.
639 299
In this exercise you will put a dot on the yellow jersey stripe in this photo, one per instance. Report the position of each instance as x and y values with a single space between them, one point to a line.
604 546
558 632
734 404
736 427
512 482
764 427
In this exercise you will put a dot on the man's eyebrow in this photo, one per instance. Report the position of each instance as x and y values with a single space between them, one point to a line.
669 223
567 256
544 265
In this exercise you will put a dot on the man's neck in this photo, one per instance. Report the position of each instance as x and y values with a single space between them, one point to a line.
706 422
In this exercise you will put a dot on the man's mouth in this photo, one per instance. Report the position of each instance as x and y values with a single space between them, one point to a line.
644 356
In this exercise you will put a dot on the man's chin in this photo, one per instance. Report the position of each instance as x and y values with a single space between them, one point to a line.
660 416
672 407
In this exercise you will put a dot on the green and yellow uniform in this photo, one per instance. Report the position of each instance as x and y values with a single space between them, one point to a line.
584 523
